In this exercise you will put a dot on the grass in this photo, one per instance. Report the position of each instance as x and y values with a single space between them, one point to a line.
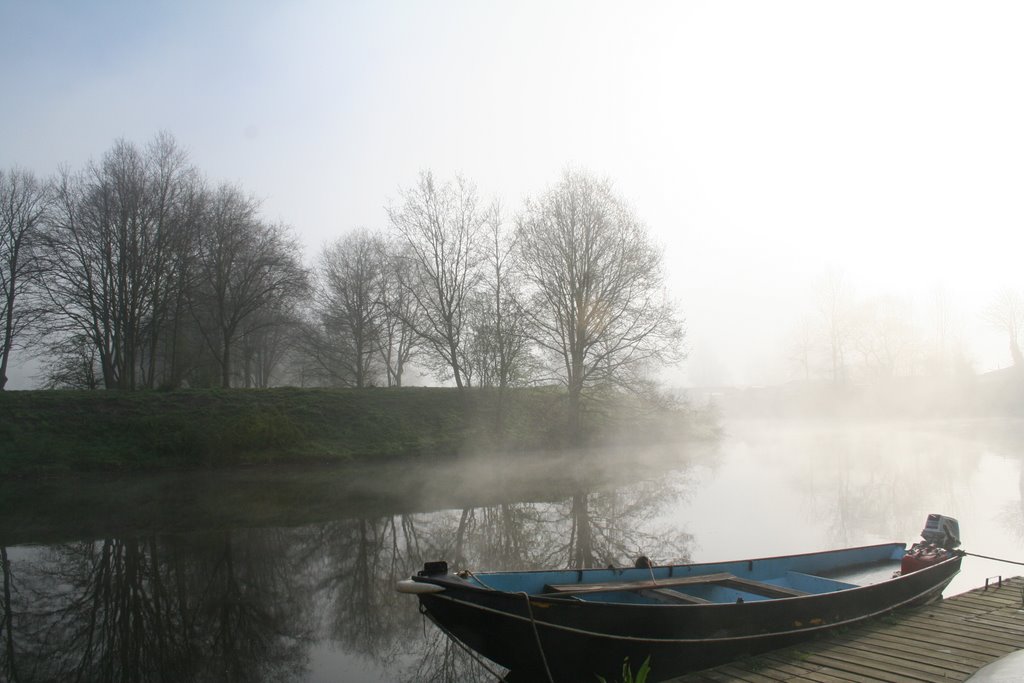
54 432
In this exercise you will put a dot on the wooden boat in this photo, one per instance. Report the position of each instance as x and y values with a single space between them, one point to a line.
573 625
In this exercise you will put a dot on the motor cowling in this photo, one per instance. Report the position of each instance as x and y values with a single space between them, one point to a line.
941 536
941 531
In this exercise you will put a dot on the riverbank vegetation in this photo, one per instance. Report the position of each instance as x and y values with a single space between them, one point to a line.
137 273
52 432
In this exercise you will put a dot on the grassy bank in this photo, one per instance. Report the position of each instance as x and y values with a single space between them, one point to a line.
47 432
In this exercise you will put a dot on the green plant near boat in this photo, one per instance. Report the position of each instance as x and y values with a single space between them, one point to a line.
627 673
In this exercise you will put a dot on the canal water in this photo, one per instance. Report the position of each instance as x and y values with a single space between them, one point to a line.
288 574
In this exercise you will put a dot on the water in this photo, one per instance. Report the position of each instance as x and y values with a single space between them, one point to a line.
288 575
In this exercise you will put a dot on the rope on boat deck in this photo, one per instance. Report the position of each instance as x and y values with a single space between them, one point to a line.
536 636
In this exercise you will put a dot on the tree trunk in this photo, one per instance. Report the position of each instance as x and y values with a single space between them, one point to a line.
225 363
3 364
8 333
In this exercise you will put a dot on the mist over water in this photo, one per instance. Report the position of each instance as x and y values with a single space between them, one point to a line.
303 589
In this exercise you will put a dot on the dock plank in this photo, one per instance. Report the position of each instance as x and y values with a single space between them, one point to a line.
945 641
814 672
799 673
936 661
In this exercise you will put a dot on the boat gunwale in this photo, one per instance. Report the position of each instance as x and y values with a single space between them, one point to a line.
479 577
466 584
705 564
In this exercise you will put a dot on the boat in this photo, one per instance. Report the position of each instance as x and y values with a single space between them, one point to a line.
578 624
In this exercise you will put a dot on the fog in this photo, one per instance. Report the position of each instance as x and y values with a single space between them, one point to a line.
301 563
765 145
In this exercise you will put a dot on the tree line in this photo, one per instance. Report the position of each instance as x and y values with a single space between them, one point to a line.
849 338
137 272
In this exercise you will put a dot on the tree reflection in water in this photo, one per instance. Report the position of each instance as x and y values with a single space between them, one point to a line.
225 607
8 658
587 529
251 604
872 480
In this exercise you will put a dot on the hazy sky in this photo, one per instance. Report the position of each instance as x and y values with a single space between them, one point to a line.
762 142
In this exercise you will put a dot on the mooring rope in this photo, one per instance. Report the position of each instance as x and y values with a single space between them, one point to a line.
476 578
536 636
988 557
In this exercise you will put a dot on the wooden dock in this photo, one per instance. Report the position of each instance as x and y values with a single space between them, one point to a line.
945 641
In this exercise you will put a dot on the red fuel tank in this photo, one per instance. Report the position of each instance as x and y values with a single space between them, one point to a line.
921 556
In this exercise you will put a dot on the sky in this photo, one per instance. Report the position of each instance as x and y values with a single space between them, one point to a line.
763 144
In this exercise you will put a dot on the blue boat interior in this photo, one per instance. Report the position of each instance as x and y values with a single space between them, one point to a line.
713 583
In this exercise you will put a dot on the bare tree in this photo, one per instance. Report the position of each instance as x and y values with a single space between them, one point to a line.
176 196
23 204
97 271
887 339
349 307
500 340
244 266
599 303
268 338
802 347
834 311
1006 313
72 363
500 347
948 354
400 312
109 254
441 225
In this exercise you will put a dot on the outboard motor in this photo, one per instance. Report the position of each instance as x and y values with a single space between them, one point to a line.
941 536
941 531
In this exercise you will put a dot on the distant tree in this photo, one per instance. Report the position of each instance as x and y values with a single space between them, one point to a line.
834 308
947 354
266 342
802 348
244 266
400 312
887 339
500 349
24 201
501 332
349 307
441 226
599 306
1006 313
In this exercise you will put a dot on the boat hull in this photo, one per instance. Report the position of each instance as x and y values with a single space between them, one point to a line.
577 640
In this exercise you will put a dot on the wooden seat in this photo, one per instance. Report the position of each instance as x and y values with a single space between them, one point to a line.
667 595
768 590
